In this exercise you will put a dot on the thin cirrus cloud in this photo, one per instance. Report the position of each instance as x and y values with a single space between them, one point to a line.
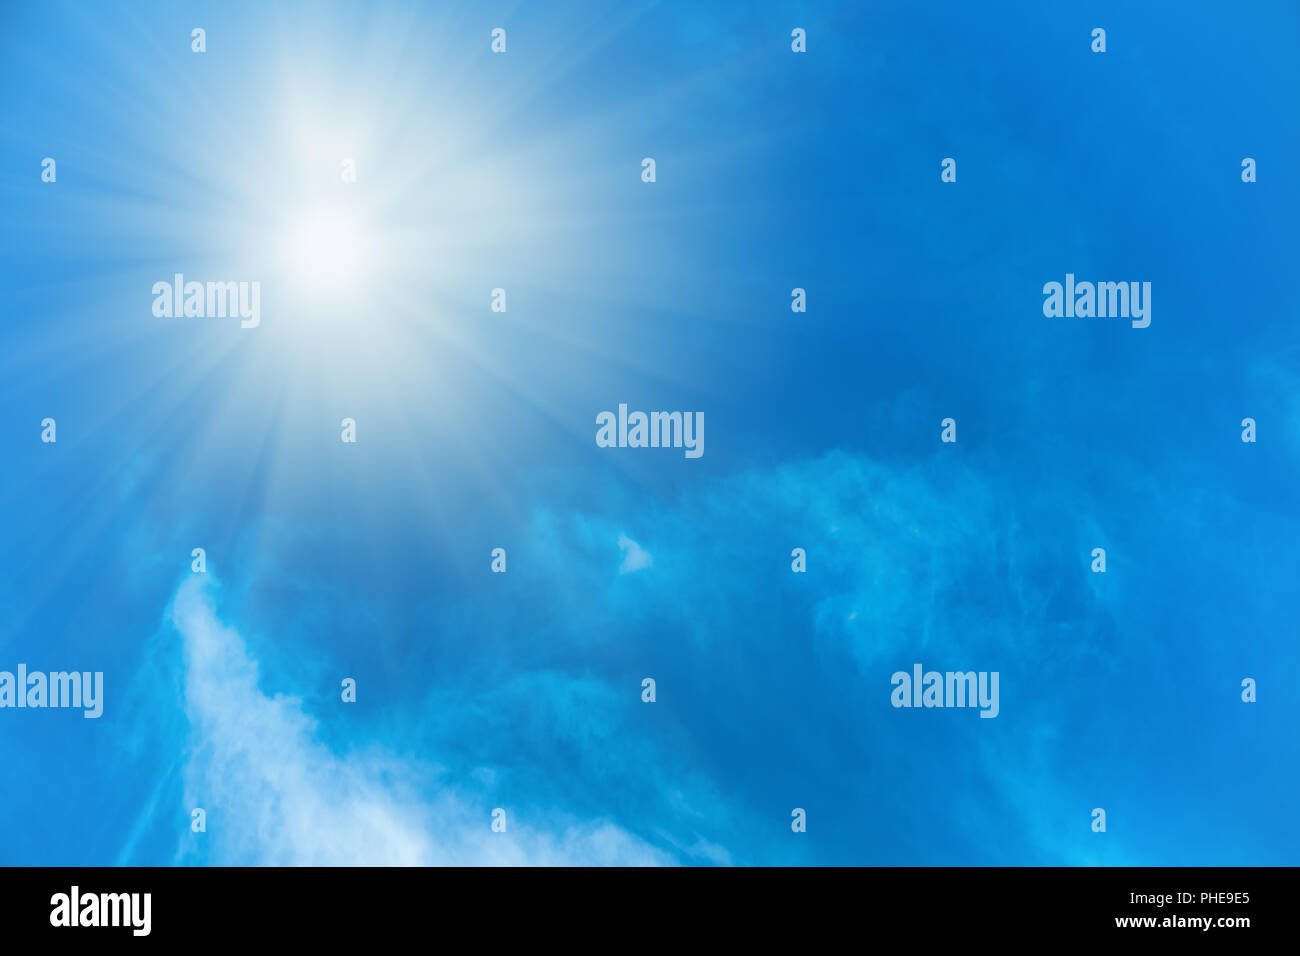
956 567
635 557
533 702
275 795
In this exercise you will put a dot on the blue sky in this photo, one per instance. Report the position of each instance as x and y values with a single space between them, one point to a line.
476 430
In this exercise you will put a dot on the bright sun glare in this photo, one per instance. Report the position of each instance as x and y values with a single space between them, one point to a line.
327 252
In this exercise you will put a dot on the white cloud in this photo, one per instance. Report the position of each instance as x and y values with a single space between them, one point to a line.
275 795
635 557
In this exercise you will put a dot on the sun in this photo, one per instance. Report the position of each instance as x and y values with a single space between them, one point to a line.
327 254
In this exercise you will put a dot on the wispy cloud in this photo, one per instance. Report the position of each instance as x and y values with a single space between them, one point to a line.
931 562
274 794
635 557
